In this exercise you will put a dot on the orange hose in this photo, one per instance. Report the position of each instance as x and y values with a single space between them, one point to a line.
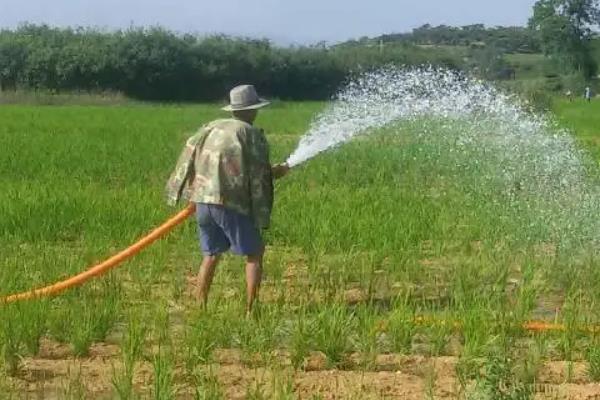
531 326
117 259
104 267
540 326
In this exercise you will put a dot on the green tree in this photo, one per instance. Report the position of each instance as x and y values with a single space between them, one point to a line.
13 55
565 31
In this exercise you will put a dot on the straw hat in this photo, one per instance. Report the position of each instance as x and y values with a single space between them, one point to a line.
244 97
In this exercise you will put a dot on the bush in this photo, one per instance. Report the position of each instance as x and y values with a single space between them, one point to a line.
539 100
537 93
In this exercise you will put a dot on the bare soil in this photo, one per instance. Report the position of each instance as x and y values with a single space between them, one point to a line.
56 374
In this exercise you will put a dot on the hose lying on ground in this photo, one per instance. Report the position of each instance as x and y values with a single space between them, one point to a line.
105 266
117 259
530 326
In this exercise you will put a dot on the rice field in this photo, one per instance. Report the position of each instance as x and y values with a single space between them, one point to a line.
384 277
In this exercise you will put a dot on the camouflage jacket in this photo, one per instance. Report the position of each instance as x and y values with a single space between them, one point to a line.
226 162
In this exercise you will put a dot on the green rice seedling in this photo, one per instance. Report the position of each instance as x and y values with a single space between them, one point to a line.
164 374
23 325
108 307
466 286
90 323
329 282
206 385
132 347
534 363
122 383
366 341
570 314
497 381
334 328
529 365
163 358
528 291
592 356
201 337
282 385
33 325
92 312
133 343
438 333
161 322
300 338
74 389
81 336
251 345
257 390
476 327
178 281
59 321
430 380
467 370
10 342
257 336
401 327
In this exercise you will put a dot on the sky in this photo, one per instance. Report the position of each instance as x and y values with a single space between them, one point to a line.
283 21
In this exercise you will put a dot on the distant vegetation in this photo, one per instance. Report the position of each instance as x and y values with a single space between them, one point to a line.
506 39
557 51
156 64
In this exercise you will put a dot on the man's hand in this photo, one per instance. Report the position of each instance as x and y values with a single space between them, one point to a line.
280 170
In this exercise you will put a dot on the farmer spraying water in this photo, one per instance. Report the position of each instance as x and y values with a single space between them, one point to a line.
485 139
225 169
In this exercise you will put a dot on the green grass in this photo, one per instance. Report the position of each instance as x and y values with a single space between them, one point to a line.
583 119
363 239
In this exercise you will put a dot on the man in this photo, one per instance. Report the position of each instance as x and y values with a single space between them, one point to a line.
225 170
588 94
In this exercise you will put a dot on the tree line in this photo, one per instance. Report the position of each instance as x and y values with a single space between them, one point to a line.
563 30
512 39
156 64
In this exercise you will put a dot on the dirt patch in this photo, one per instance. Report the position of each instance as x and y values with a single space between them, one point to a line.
56 374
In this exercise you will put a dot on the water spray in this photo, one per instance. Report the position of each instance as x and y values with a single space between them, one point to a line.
376 99
536 164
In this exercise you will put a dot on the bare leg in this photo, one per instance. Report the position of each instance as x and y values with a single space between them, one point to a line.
253 279
205 277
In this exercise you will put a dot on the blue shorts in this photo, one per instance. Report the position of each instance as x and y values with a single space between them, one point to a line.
221 229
